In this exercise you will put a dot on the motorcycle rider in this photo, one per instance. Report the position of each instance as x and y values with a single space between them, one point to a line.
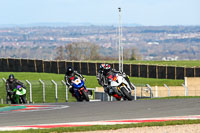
69 75
11 83
107 75
100 76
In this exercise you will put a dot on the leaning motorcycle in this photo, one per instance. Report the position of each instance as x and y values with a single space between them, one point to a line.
81 93
19 95
120 87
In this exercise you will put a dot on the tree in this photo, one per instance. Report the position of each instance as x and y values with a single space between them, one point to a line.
82 51
60 53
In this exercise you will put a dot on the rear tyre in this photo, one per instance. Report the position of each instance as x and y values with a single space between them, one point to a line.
85 95
127 95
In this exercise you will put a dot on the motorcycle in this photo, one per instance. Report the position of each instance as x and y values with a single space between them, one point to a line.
19 95
120 87
80 90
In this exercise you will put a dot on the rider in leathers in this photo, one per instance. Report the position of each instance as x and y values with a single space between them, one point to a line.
11 83
68 78
104 80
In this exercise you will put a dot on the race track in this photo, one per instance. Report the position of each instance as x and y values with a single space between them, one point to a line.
96 111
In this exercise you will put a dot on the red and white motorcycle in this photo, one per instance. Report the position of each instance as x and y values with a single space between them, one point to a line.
120 87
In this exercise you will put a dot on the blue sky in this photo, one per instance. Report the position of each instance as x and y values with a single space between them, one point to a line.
144 12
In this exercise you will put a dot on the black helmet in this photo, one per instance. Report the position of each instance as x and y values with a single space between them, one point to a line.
70 71
11 77
107 68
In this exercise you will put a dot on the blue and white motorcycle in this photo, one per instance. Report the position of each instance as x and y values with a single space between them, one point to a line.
81 93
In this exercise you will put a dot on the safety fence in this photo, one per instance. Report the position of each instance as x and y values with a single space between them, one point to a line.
43 91
88 68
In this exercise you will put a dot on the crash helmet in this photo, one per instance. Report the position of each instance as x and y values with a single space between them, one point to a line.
107 68
101 67
11 77
70 71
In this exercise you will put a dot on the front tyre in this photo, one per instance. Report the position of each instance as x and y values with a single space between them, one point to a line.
127 95
85 95
24 99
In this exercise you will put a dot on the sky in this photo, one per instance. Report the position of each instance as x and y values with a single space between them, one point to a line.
101 12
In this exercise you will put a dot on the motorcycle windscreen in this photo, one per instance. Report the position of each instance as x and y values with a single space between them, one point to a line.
81 84
22 92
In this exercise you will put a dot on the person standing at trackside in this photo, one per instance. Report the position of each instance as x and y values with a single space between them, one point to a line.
69 76
11 83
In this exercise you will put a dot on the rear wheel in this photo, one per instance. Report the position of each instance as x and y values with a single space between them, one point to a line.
85 95
127 95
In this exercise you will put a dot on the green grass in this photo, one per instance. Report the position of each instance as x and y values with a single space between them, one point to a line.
4 105
91 82
188 63
109 127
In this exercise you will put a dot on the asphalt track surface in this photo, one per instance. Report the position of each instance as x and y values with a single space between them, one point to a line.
97 111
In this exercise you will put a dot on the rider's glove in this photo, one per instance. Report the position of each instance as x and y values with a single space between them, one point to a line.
84 79
70 87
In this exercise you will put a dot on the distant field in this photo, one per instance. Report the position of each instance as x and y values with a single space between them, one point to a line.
189 63
91 82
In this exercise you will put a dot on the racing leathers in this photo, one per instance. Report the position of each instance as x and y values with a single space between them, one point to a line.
69 78
106 79
12 85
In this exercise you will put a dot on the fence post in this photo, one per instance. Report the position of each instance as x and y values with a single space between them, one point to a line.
56 90
1 100
156 91
30 87
151 90
168 89
66 90
43 87
186 89
6 94
135 91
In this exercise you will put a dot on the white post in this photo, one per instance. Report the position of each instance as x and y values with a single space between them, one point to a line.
43 86
119 28
186 89
1 100
30 87
66 90
156 91
111 98
151 92
135 91
56 90
6 94
185 81
4 79
168 89
108 97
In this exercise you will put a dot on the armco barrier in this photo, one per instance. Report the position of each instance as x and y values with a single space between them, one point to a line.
86 68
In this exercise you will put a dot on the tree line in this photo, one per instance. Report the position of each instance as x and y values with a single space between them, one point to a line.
89 51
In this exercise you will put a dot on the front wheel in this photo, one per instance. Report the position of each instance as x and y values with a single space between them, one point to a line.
85 95
127 95
24 99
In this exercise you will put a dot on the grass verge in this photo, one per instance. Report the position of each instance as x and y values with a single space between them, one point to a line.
109 127
4 105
